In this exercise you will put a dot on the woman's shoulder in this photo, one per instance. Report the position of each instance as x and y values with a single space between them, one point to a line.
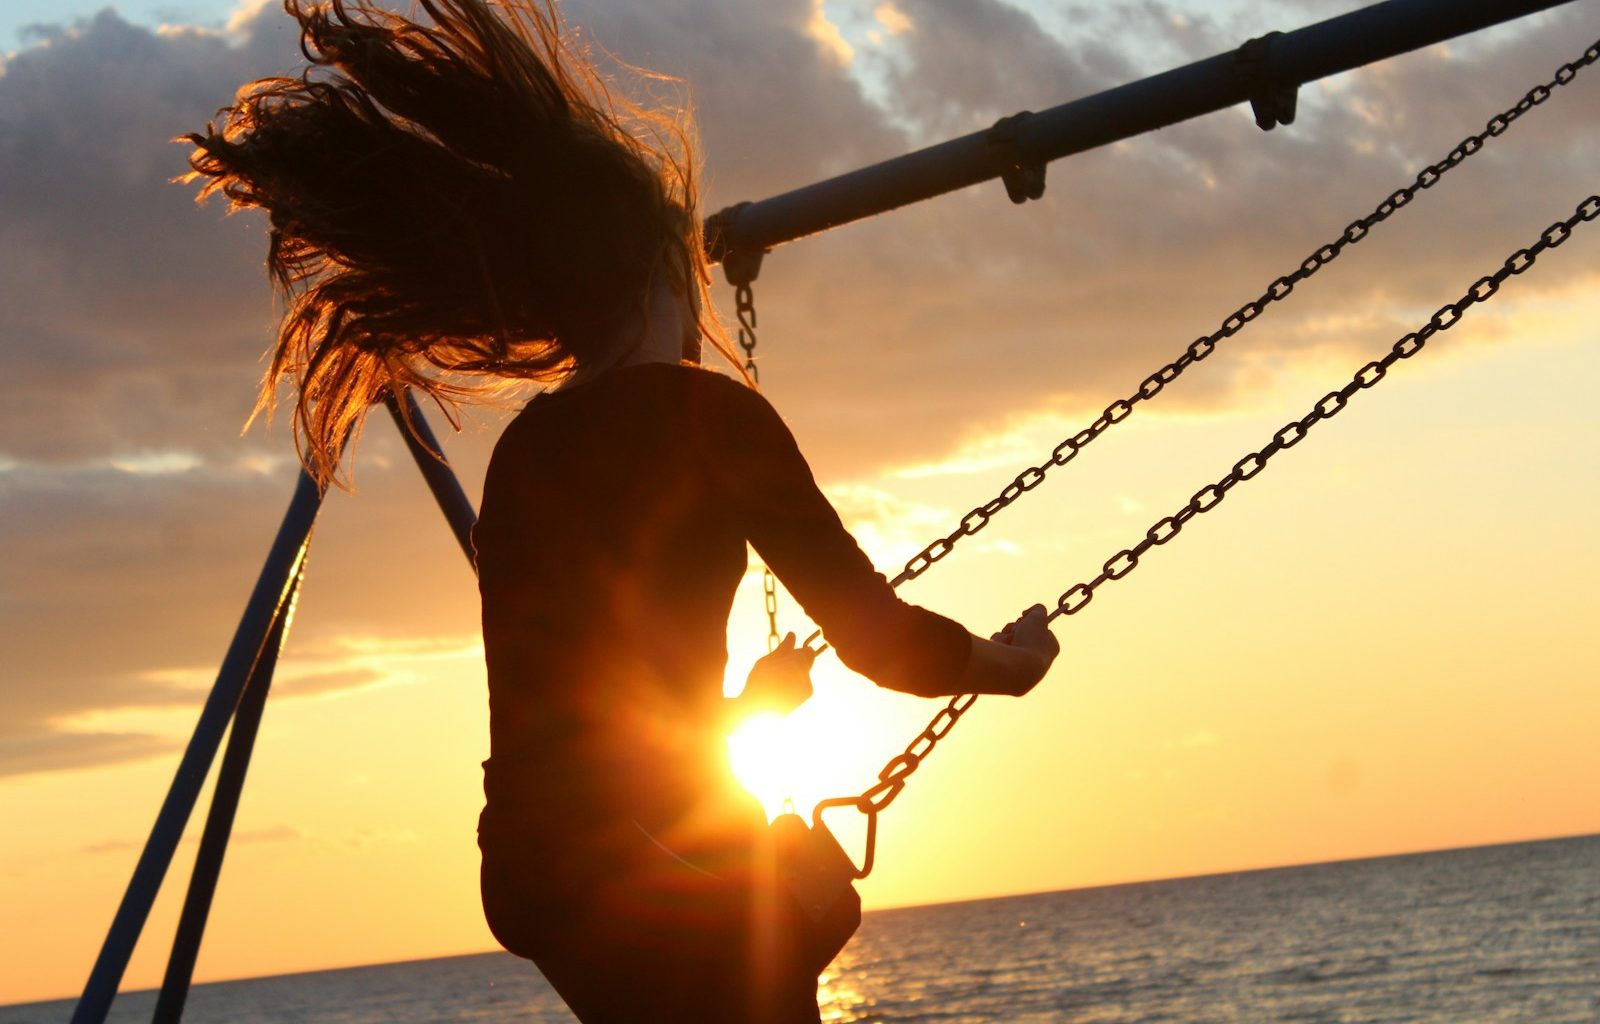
645 391
703 390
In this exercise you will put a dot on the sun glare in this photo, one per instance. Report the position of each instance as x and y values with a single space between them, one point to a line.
762 751
832 745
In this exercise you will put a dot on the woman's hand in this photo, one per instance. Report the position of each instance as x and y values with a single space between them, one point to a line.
780 680
1032 650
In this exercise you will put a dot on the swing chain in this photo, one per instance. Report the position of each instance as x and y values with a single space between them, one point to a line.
892 779
744 298
1200 348
1292 433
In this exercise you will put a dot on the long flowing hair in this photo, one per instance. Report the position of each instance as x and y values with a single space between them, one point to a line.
454 206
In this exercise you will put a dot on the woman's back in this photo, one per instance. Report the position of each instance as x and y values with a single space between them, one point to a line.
607 562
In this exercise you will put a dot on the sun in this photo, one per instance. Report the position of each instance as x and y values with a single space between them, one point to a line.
832 745
763 753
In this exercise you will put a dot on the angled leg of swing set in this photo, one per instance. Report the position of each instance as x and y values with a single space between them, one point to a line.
441 479
219 819
250 639
239 694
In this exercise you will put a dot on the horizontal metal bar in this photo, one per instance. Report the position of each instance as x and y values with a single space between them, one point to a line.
1293 58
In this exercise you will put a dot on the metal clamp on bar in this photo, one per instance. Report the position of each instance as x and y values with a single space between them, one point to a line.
1271 100
740 265
1023 178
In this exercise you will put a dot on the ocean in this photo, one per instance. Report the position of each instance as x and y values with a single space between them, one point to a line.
1490 935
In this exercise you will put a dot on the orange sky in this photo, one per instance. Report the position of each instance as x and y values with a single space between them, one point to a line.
1381 644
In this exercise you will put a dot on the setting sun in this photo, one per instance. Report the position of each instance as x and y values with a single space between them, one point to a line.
832 745
761 752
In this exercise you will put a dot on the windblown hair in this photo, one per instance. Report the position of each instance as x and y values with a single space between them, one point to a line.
453 206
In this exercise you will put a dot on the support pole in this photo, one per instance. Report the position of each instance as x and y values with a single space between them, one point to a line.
442 481
277 575
1282 62
219 819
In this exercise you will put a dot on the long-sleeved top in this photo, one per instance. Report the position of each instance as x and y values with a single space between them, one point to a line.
611 541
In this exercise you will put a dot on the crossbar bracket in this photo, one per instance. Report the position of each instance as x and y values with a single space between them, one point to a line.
1272 100
1022 177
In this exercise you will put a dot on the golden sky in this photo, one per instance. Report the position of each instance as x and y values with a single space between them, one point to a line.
1381 644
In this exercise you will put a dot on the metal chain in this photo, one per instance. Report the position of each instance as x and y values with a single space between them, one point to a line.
1210 496
744 298
1200 348
892 779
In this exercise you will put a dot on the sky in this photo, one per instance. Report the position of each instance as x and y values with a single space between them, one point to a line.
1381 644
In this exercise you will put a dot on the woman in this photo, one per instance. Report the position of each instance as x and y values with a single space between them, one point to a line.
460 205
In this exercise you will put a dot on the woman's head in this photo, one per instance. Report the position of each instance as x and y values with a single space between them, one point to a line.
452 204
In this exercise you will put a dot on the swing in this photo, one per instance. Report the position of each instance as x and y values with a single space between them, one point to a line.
810 857
1265 72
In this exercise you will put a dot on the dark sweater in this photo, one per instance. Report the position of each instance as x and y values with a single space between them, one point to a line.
611 540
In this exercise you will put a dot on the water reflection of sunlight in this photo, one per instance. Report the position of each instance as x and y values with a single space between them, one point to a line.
839 995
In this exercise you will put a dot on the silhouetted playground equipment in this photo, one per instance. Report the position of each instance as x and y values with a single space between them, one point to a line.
1265 72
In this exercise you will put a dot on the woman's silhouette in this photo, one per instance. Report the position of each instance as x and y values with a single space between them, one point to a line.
461 203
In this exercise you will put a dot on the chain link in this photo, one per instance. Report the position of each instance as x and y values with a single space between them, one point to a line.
744 298
892 779
769 593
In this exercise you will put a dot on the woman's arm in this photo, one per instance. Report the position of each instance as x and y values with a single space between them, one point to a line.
761 473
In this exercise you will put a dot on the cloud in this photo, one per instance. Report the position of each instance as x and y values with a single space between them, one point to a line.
271 834
889 529
53 750
132 322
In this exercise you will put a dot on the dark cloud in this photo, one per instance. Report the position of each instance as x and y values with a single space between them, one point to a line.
946 318
132 319
773 111
967 62
132 322
49 749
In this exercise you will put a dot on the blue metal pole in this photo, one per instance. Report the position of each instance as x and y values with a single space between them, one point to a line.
219 819
442 481
277 576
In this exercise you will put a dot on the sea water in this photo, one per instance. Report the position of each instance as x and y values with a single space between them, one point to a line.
1490 935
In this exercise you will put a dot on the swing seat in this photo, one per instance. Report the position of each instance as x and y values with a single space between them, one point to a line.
816 872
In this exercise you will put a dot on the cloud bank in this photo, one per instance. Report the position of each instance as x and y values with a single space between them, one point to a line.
132 322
